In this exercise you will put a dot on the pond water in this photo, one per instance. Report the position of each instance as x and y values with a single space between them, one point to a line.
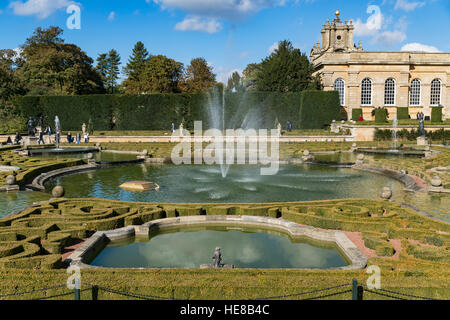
241 247
17 201
244 184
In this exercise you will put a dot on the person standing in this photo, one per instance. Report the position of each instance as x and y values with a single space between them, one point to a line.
86 137
41 137
17 138
78 138
69 137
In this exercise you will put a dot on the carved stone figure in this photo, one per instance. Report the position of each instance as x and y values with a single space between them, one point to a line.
217 258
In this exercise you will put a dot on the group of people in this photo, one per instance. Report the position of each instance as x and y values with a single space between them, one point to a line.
77 139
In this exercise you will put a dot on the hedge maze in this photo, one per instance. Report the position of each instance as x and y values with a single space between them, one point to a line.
31 167
36 237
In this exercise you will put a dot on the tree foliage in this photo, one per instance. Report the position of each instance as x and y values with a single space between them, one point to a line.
50 66
287 69
134 69
199 77
161 75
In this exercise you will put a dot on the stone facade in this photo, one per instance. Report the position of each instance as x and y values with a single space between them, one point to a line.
344 65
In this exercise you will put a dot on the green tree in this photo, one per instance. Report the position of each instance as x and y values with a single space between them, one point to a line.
102 65
235 83
286 70
50 66
199 76
162 75
10 83
112 70
134 69
249 76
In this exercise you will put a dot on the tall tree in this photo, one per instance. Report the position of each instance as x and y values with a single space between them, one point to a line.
162 75
51 66
112 70
10 84
235 83
287 69
249 76
199 76
133 70
102 65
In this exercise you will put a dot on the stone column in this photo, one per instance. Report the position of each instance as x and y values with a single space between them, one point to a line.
353 98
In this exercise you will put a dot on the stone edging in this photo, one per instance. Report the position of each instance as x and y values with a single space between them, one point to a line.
100 239
408 182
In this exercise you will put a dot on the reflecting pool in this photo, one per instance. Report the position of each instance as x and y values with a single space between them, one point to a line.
244 184
241 247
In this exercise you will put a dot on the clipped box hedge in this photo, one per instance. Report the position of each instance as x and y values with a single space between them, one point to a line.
356 114
402 113
436 114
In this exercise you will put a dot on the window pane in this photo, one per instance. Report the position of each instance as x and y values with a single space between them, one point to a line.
339 86
366 92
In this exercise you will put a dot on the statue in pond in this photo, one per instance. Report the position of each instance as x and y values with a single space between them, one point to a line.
217 258
30 125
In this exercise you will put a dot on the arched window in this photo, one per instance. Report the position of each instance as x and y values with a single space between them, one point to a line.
435 92
366 92
339 86
389 92
414 93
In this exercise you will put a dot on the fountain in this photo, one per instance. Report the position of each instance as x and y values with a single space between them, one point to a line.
58 132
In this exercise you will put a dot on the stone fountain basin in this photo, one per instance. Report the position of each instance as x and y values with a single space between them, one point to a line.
398 152
62 150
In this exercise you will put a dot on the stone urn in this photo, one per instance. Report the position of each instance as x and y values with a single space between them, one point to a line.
10 180
360 159
386 193
436 182
58 192
307 156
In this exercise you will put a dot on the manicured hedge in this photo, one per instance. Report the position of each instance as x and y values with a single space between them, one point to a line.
436 114
356 114
159 111
381 116
402 113
319 108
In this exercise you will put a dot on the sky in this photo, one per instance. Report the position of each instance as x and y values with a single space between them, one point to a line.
229 34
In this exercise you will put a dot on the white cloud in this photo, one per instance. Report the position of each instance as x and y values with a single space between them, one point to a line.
419 47
273 47
408 6
112 16
40 8
223 74
373 24
199 24
389 38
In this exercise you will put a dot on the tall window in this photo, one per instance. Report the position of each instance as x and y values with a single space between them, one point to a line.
414 93
389 92
339 86
435 92
366 92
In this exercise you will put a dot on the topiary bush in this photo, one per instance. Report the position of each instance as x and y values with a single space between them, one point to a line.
319 108
402 113
381 115
436 114
356 114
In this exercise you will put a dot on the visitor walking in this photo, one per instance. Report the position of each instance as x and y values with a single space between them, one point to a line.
86 137
49 130
173 127
41 137
78 138
289 126
69 137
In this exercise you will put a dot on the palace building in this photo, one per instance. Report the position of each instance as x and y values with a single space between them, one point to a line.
369 79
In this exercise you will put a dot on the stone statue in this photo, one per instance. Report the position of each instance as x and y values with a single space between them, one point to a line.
83 128
217 258
181 129
41 121
279 129
421 118
30 125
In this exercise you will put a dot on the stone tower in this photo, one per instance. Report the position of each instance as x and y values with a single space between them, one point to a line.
336 37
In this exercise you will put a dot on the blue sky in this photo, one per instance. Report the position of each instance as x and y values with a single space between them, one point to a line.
229 34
